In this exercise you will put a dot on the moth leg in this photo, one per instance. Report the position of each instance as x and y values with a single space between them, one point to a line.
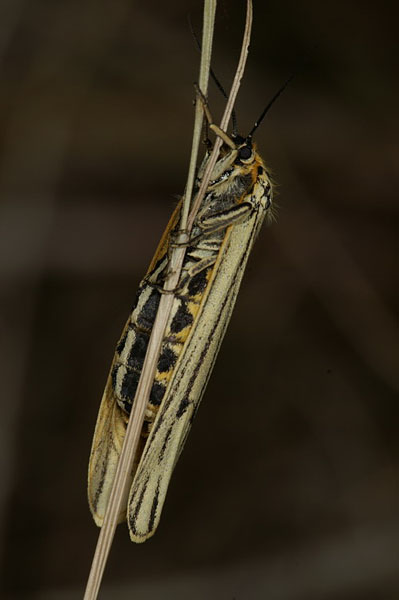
218 221
189 274
203 264
208 225
224 218
221 220
159 287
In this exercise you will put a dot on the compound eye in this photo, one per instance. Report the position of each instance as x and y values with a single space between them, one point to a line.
245 153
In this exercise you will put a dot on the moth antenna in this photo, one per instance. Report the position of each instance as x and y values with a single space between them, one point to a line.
303 62
270 104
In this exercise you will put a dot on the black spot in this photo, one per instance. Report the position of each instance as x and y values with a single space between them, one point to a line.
157 393
167 360
129 385
260 170
147 314
126 405
138 351
121 344
182 319
113 376
182 407
198 283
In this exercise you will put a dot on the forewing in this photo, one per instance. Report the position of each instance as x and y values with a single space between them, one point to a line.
188 383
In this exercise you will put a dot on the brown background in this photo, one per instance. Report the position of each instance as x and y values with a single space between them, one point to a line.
288 486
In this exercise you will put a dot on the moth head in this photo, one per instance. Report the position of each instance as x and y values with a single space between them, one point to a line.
237 159
245 150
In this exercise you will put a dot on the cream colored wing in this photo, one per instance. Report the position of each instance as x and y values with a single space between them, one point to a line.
188 383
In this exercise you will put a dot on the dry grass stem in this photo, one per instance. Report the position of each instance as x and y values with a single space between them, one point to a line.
205 65
123 478
122 482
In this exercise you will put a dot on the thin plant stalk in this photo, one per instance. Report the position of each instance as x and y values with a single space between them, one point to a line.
123 478
205 66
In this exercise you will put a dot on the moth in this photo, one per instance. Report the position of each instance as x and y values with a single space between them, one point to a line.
236 202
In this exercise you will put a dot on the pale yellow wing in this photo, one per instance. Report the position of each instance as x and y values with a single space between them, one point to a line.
188 382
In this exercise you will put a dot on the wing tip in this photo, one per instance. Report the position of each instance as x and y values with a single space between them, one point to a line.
140 538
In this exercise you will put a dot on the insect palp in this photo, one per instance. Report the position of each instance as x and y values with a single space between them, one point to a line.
215 128
222 134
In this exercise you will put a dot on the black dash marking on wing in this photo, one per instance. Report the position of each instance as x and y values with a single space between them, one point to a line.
99 489
182 319
182 407
165 443
167 360
139 502
154 508
147 314
157 393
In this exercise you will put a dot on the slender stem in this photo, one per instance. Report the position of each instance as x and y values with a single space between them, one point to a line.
205 65
123 478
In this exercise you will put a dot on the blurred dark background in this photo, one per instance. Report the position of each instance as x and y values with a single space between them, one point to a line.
288 486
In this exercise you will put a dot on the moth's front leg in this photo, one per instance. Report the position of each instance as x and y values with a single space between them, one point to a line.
220 220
